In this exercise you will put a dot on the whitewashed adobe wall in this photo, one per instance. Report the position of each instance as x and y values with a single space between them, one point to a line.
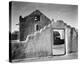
40 43
74 47
71 36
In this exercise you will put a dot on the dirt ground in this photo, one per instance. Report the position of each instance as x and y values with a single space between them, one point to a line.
49 58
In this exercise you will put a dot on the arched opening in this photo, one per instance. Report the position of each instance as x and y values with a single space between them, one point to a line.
58 47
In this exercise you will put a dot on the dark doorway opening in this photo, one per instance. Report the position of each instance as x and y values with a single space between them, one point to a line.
58 38
58 46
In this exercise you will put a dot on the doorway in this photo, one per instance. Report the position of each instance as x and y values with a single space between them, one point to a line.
58 45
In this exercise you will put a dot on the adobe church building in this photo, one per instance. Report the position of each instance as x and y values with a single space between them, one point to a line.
36 31
32 23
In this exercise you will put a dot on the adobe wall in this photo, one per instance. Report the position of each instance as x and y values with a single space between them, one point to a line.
39 45
74 36
71 36
27 25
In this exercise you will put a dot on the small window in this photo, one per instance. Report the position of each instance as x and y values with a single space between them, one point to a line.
37 18
36 27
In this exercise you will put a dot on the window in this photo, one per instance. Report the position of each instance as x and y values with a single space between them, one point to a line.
37 18
36 27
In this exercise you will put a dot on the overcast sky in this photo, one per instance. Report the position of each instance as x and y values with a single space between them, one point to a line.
67 13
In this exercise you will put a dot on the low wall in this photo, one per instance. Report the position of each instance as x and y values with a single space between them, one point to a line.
39 45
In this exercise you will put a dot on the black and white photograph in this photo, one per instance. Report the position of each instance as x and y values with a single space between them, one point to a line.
42 31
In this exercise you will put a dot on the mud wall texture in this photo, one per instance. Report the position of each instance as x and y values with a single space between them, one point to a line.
27 24
74 38
39 45
71 36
